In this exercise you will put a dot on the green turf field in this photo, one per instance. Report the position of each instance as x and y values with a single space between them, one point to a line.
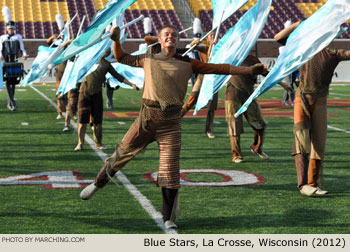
32 143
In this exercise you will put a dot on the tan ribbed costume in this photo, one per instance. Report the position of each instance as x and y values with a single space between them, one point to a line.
166 78
310 114
160 116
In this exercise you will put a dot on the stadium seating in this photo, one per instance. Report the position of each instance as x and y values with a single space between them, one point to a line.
35 19
281 11
161 12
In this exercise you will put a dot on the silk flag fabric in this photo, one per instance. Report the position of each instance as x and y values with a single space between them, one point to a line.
92 34
228 6
82 65
86 61
135 75
310 37
45 57
233 48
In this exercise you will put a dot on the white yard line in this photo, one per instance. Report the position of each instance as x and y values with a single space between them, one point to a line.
338 129
144 202
333 128
339 94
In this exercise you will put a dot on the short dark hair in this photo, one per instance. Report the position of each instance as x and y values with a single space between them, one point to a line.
169 26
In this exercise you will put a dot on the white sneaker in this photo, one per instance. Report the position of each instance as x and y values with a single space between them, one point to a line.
210 135
237 160
319 191
78 147
169 224
65 128
308 190
101 147
261 155
59 116
88 191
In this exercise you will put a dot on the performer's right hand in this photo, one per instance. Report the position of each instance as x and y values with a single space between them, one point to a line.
115 33
195 42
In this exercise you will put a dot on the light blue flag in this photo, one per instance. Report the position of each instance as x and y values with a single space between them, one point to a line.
229 7
92 34
233 48
1 76
44 59
83 65
87 60
309 38
135 75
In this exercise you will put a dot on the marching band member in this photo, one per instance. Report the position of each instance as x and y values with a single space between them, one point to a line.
10 46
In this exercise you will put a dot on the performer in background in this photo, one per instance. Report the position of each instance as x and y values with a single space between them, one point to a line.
11 44
310 113
205 51
54 41
195 54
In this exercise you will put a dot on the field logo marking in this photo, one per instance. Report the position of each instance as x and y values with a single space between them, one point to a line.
49 179
229 178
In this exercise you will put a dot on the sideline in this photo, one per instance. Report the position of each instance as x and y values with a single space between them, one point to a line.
144 202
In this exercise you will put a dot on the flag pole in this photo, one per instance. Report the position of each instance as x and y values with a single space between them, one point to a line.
124 26
190 49
81 26
61 32
217 33
218 29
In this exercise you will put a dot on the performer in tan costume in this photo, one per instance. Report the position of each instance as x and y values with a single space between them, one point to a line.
310 114
91 103
166 77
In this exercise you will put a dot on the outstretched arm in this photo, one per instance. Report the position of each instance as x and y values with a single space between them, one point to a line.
65 44
199 47
121 78
226 69
286 87
132 85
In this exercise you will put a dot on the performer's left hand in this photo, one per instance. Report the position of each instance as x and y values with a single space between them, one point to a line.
259 69
135 87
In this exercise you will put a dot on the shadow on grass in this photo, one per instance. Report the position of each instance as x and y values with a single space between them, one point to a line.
297 219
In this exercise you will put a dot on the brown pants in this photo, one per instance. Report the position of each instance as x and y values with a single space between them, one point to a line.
167 133
90 105
310 134
253 115
73 101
